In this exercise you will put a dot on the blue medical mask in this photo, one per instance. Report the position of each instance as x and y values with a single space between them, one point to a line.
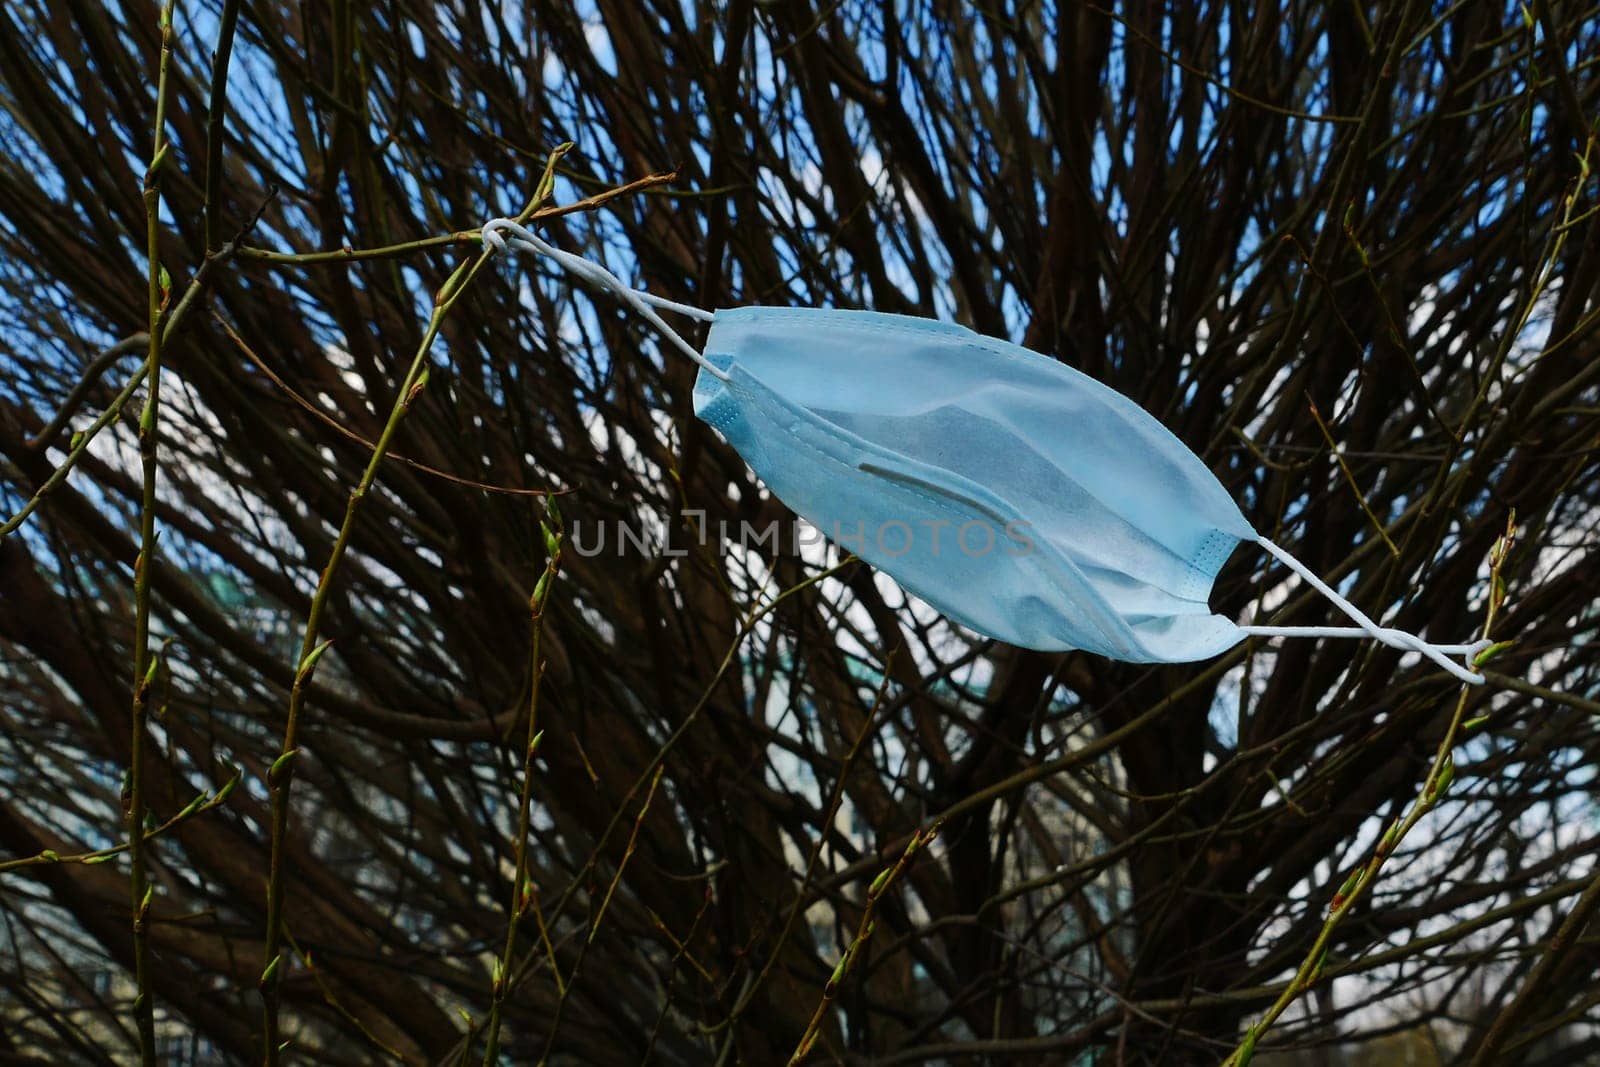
1021 498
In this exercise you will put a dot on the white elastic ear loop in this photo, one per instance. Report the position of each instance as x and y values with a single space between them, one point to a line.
1366 627
642 302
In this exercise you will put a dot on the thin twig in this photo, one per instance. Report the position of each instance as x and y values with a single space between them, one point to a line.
459 237
350 435
332 1001
880 886
1351 478
140 890
199 805
680 952
523 892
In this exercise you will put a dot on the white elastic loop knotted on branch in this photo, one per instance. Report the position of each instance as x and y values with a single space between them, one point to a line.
494 236
1365 627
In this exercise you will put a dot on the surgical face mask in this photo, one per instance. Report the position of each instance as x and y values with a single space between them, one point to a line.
1023 499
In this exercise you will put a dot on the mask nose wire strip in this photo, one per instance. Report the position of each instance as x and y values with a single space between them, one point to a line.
642 302
1365 626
